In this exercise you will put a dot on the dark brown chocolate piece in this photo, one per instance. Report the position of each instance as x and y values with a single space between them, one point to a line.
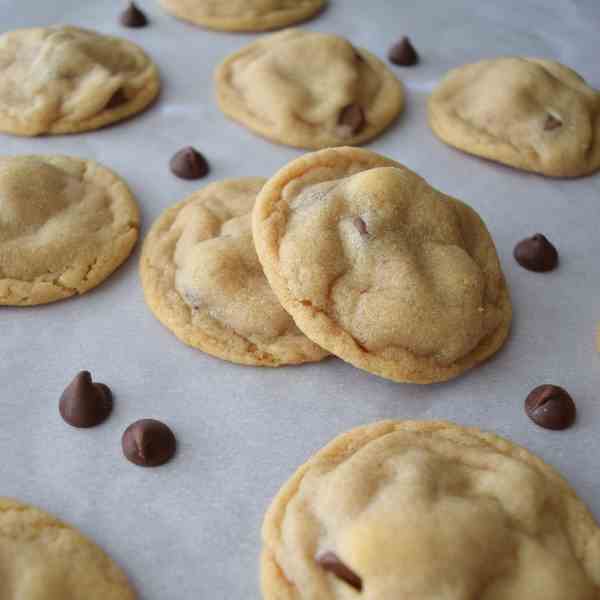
551 407
188 163
361 226
84 403
351 120
117 99
133 17
536 254
552 123
403 53
330 562
148 443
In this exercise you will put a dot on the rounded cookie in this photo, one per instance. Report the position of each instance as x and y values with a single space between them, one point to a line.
428 510
529 113
244 15
64 79
379 268
273 88
65 225
41 557
203 281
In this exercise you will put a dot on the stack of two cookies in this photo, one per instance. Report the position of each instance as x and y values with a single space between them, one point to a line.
342 251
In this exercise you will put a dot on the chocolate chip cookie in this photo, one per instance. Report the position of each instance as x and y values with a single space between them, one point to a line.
273 88
66 80
533 114
243 15
41 557
65 225
202 279
428 510
379 268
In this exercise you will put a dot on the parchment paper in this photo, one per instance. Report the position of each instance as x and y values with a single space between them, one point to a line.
190 530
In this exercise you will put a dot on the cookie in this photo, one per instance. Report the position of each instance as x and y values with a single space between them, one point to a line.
428 510
203 281
379 268
41 557
243 15
273 88
57 80
65 225
529 113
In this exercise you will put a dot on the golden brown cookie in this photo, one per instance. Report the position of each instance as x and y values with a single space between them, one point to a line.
428 510
243 15
43 558
203 281
379 268
533 114
65 225
67 80
273 88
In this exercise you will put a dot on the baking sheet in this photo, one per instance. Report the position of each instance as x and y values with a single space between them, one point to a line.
191 529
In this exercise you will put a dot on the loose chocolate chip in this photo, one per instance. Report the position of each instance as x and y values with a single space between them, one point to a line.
552 123
351 120
403 53
117 99
188 163
148 443
361 226
133 17
330 562
84 403
536 254
551 407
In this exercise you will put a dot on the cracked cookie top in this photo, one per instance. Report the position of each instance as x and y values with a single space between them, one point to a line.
66 80
65 225
379 268
428 510
44 558
243 15
273 88
529 113
203 280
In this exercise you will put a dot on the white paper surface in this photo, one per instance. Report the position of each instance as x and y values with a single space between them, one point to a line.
190 529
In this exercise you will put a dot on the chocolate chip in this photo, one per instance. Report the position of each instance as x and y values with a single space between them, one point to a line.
536 254
551 407
188 163
351 120
330 562
133 17
148 443
552 123
403 53
84 403
117 99
361 226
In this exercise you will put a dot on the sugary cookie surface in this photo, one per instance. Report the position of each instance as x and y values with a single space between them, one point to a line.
428 511
379 268
65 225
42 558
203 280
65 80
244 15
532 114
273 87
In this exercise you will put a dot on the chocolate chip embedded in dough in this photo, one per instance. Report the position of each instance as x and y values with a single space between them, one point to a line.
552 123
351 120
331 563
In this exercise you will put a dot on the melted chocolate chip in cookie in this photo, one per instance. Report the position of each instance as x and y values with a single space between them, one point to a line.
329 561
351 120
